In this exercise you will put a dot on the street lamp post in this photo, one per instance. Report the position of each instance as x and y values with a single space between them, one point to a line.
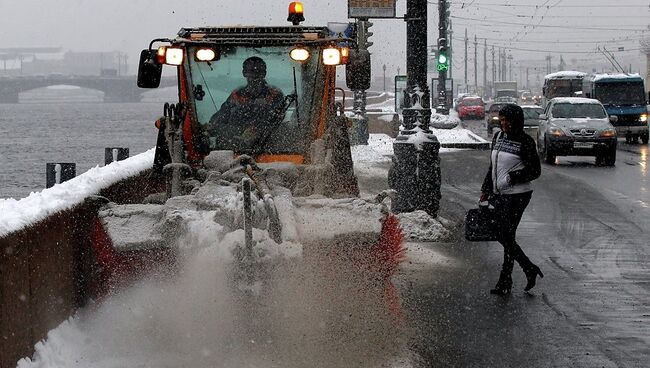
384 68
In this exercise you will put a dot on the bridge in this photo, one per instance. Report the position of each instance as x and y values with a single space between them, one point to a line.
115 88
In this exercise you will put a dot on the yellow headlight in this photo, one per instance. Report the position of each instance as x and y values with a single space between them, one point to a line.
556 132
331 56
205 54
174 56
608 133
299 54
643 118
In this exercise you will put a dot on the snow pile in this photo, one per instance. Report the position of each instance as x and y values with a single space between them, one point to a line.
17 214
378 149
419 226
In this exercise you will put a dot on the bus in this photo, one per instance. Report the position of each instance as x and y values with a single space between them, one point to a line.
623 95
562 84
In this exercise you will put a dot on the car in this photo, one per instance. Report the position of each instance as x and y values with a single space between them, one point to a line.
576 126
531 119
471 107
492 117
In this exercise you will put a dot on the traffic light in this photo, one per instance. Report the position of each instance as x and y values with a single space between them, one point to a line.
442 60
367 25
363 33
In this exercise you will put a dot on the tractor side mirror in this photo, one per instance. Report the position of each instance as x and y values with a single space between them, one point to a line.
149 71
357 70
613 118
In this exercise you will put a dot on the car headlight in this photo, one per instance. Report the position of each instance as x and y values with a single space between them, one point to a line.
608 133
495 118
643 118
555 131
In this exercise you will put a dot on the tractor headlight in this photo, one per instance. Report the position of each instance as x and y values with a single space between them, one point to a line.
299 54
643 118
205 54
331 56
173 55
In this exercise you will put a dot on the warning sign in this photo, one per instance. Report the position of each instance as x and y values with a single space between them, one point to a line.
371 8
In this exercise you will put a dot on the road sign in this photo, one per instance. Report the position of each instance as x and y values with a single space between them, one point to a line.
371 8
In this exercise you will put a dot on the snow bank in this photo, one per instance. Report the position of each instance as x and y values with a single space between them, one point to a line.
419 226
17 214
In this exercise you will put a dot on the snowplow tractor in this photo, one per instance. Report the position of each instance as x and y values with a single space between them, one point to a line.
254 158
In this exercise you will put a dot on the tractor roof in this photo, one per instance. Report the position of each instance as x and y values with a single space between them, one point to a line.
257 36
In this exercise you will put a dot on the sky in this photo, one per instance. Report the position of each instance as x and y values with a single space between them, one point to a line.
529 29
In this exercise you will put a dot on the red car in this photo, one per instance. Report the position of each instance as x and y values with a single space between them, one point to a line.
471 107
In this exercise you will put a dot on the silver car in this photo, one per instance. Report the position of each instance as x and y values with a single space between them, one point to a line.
574 126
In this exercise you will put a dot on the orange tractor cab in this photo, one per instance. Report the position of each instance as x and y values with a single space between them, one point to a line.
275 121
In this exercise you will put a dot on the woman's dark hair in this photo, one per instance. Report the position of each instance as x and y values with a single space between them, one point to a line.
514 114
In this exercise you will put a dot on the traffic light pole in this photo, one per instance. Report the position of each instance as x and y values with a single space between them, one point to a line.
415 173
442 50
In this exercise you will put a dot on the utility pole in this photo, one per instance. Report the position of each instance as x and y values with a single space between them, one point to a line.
548 64
510 66
500 65
466 89
475 65
484 66
384 69
494 72
527 80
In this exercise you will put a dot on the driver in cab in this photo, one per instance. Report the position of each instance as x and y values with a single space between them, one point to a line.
250 112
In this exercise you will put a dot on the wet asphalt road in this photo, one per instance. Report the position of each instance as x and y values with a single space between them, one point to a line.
587 229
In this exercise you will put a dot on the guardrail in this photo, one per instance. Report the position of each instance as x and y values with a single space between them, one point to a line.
46 269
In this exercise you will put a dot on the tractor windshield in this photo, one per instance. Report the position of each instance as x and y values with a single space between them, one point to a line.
257 100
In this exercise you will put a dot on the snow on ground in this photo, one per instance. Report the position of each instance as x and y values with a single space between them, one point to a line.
17 214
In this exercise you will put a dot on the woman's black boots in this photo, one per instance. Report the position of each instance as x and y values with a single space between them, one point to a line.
531 276
504 285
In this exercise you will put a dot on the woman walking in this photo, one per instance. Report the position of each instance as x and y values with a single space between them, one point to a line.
514 163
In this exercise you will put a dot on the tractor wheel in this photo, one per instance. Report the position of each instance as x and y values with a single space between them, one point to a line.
644 138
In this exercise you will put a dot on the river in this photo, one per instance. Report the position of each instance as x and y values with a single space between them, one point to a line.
35 132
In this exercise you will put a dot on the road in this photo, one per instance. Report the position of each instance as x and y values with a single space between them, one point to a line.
586 228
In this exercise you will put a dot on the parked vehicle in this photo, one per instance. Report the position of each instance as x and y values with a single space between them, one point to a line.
576 126
492 117
622 95
471 107
561 84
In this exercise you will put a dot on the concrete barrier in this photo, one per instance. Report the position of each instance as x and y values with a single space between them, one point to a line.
46 269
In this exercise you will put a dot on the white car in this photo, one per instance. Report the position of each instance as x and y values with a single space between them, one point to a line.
575 126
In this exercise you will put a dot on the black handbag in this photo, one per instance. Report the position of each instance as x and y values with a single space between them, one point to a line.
481 224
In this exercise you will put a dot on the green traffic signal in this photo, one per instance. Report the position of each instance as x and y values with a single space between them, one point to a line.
442 61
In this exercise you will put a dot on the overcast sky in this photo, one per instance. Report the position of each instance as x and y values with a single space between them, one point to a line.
530 29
